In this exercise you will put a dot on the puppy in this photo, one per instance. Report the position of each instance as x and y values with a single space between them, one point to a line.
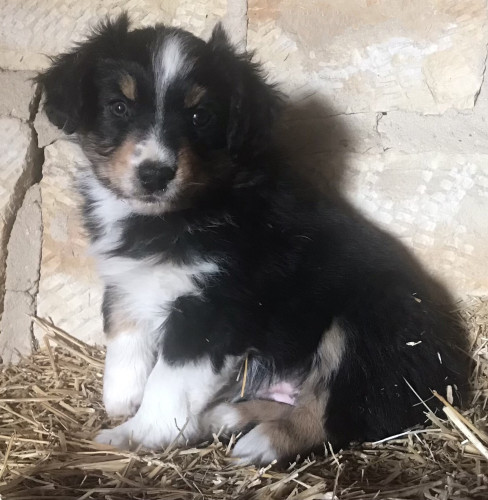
215 264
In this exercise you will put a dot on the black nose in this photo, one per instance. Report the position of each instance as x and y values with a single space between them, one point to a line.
155 176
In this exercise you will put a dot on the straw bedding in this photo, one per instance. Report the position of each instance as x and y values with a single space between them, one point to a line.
50 408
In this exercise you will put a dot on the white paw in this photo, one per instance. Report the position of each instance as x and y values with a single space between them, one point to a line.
117 437
120 403
151 433
123 388
255 447
130 435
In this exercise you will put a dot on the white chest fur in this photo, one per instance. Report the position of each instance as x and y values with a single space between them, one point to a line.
146 287
145 290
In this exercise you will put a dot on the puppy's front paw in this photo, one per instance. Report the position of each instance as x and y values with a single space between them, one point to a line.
151 433
123 389
255 448
120 404
117 437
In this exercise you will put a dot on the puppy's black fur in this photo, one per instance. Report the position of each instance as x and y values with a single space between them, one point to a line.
291 262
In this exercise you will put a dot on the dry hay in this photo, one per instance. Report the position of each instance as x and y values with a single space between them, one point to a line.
51 407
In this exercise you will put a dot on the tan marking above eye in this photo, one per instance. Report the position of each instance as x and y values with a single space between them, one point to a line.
128 86
194 96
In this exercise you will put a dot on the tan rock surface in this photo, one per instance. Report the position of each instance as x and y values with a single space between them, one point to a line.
47 133
69 290
453 132
31 30
17 155
381 109
18 94
374 55
435 203
22 279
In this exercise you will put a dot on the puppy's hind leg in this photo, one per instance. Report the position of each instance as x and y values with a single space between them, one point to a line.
281 431
278 431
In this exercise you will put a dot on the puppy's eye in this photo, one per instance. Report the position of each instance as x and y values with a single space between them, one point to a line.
201 117
119 108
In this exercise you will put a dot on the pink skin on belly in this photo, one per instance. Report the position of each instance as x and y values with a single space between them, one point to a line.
282 392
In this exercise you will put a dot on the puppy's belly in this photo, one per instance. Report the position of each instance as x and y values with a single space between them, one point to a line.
282 392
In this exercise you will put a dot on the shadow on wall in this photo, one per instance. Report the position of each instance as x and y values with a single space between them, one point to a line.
310 134
315 144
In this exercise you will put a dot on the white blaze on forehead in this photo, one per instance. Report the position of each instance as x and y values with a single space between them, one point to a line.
172 58
170 61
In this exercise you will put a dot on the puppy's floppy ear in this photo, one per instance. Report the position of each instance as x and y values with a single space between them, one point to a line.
254 104
68 84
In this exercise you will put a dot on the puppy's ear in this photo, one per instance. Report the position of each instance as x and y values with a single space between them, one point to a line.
68 84
254 104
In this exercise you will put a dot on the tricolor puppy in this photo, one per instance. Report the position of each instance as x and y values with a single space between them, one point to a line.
211 257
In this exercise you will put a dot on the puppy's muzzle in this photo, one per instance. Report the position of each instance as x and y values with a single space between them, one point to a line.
155 176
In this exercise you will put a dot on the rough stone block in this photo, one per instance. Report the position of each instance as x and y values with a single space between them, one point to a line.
16 339
375 55
308 128
30 31
436 203
17 159
22 276
24 246
70 293
453 132
199 16
47 133
235 22
18 94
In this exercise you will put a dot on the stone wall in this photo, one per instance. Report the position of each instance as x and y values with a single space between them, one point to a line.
387 105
